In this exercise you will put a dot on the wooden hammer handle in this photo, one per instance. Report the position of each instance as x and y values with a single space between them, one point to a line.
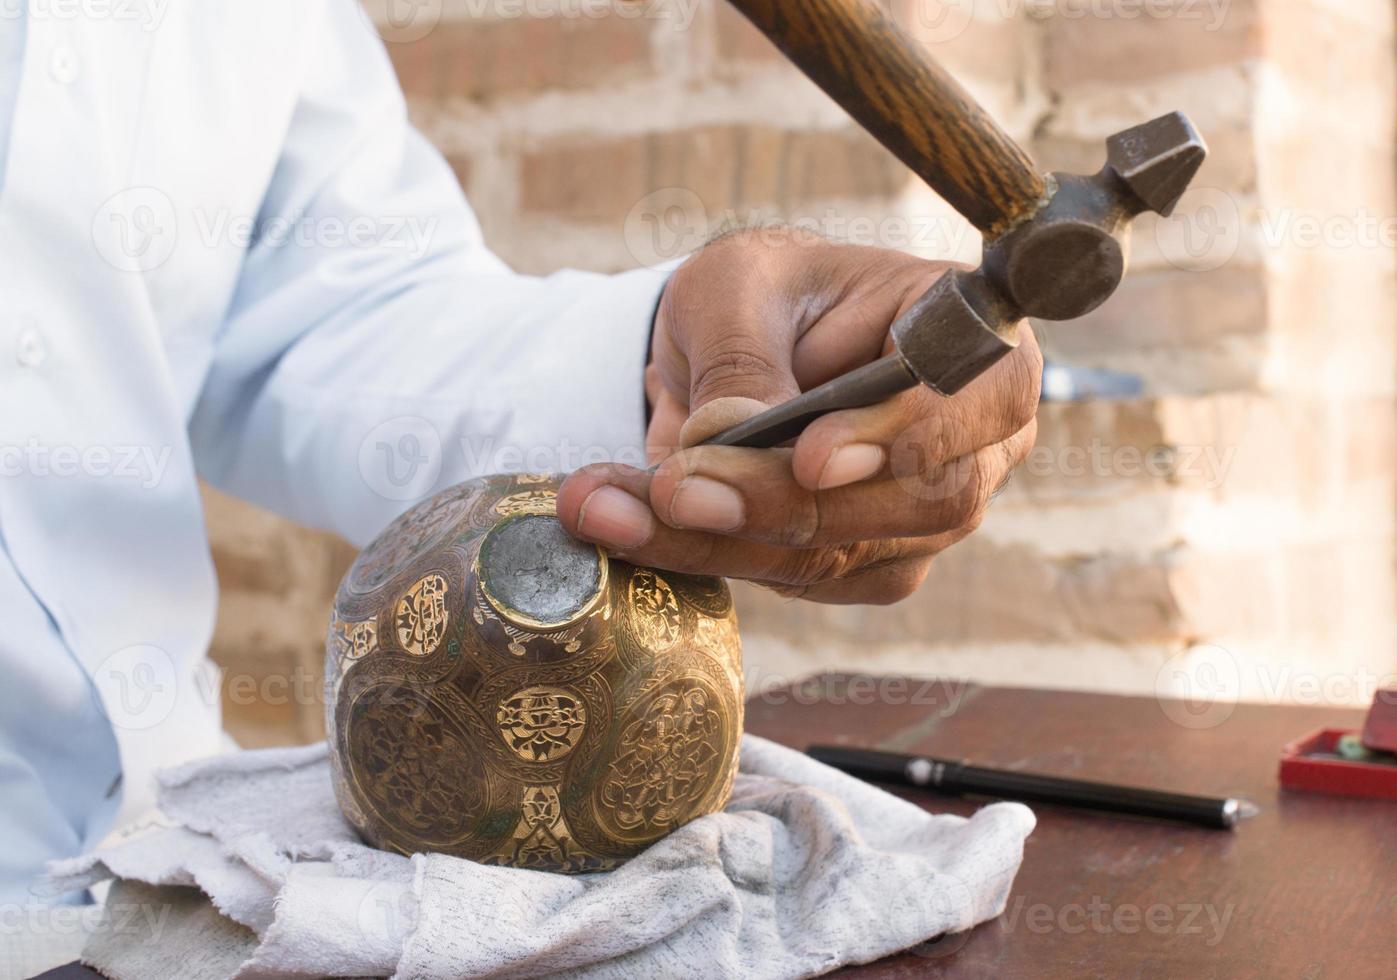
887 82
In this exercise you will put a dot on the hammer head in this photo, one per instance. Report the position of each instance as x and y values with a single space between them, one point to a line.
1069 257
1157 160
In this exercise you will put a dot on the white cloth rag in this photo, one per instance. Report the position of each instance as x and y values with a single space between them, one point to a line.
806 870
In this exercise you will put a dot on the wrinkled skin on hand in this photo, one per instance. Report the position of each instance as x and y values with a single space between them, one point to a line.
856 509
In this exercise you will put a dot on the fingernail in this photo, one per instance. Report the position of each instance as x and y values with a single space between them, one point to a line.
850 464
706 505
612 517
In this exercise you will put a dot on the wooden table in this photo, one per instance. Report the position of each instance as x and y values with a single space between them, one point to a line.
1308 889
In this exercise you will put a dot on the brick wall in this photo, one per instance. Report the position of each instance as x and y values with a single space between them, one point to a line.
1231 531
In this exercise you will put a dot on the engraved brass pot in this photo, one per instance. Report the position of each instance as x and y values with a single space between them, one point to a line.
499 691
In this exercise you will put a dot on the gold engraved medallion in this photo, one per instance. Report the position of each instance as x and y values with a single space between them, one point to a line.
421 616
528 502
354 641
541 724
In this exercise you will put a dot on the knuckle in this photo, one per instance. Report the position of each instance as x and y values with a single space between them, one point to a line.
698 557
900 581
966 505
814 565
802 527
730 368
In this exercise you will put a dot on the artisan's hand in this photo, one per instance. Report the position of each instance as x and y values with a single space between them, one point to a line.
856 511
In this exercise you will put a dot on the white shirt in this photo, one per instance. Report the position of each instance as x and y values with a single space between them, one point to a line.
225 252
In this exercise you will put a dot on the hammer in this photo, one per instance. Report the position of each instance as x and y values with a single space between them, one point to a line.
1055 246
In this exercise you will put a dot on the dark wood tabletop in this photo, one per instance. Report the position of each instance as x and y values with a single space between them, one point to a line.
1307 889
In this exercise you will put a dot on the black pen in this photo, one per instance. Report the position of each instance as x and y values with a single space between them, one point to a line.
963 779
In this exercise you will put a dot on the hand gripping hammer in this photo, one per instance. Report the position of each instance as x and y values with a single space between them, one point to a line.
1055 247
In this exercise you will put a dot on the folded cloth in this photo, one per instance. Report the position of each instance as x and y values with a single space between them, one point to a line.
806 870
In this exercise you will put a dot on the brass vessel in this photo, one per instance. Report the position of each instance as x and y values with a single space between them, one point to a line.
502 692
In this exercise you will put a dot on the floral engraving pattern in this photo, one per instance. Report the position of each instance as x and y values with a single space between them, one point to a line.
528 502
413 764
669 760
541 724
656 610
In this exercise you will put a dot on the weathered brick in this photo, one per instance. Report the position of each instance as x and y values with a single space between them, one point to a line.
487 60
1083 50
726 166
1166 310
736 41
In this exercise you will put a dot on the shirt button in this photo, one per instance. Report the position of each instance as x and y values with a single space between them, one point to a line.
29 348
63 64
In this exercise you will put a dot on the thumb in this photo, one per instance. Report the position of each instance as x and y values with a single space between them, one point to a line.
717 416
727 328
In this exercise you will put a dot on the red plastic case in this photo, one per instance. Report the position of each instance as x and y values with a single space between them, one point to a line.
1334 776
